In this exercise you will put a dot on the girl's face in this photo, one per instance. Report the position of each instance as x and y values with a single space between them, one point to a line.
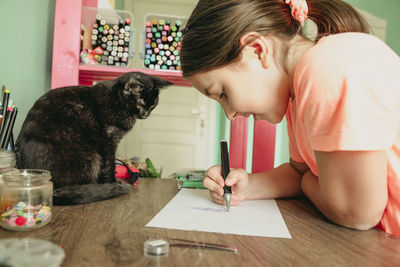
247 87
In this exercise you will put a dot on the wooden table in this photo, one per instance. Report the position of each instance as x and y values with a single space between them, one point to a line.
112 233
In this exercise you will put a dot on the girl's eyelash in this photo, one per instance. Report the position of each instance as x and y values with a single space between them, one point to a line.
222 94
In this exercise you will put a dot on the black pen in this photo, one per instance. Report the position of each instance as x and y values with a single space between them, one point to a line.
225 172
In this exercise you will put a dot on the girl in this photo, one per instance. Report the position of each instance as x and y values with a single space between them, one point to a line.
340 94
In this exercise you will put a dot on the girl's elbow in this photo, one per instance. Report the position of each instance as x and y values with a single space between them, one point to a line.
360 215
365 224
360 220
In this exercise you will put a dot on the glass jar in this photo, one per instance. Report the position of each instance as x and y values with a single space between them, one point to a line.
26 200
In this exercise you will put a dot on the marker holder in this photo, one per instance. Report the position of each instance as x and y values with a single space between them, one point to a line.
107 37
161 42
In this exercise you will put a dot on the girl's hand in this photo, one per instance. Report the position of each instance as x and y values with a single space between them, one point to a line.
238 179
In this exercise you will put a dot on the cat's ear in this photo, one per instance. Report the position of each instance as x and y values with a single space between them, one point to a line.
160 83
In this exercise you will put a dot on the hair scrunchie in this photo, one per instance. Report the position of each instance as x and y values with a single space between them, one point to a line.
299 10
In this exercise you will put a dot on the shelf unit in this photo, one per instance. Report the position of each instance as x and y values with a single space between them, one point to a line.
66 71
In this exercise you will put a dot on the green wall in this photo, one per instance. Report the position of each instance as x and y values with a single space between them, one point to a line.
386 9
26 43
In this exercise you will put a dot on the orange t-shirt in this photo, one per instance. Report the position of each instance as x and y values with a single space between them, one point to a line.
347 98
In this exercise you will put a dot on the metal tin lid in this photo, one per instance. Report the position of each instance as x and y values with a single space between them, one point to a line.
156 247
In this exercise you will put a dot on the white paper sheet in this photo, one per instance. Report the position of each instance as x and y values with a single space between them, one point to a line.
193 210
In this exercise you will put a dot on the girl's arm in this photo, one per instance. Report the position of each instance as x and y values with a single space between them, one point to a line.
351 189
280 182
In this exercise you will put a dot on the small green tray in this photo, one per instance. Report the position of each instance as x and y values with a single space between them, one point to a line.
190 178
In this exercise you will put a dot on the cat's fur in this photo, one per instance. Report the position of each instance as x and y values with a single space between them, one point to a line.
74 131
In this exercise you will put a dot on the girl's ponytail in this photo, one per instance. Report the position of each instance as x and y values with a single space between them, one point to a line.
212 35
335 16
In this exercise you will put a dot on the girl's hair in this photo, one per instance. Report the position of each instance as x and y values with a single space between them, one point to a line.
212 34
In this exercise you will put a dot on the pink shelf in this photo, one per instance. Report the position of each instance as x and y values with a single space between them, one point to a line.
89 73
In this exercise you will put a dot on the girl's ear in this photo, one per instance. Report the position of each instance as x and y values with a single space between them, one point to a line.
257 45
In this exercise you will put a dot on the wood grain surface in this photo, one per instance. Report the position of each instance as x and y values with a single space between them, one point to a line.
112 233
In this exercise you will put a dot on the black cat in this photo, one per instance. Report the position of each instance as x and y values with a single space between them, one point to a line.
74 131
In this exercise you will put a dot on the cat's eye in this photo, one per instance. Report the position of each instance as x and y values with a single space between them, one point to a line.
133 86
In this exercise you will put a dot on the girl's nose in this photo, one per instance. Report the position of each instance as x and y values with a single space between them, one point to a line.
230 114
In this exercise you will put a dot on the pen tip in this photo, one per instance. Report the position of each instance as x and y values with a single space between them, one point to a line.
227 198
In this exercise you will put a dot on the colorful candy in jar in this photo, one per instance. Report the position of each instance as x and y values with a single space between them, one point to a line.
22 215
